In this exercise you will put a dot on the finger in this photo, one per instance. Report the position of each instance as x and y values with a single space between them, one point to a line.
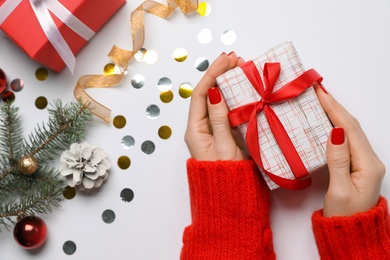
240 61
219 121
338 157
198 105
359 146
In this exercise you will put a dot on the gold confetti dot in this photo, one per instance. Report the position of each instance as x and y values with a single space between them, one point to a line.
124 162
119 121
109 69
185 90
41 74
41 102
8 96
69 192
150 57
166 96
164 132
180 54
204 9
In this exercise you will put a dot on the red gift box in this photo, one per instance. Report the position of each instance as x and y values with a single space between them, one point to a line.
23 27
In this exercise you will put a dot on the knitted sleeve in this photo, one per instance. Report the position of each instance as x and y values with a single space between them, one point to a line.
230 212
361 236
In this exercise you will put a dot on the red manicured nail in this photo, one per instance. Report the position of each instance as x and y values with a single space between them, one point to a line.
323 89
337 136
230 53
223 53
214 96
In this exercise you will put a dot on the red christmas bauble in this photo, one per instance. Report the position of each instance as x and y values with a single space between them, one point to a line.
30 232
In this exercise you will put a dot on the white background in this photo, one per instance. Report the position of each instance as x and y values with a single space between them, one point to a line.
348 42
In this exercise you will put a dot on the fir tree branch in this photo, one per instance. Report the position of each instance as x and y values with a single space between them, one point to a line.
39 193
35 197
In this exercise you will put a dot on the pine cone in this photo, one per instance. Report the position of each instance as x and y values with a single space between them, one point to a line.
85 165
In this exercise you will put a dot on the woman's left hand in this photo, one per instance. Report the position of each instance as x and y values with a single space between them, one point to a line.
208 135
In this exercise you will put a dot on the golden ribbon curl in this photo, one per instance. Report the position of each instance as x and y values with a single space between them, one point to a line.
122 57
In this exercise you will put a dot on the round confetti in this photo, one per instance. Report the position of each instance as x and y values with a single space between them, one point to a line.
164 84
164 132
148 147
139 56
166 97
127 195
185 90
108 216
204 36
110 69
128 142
201 64
152 111
69 247
69 192
8 96
138 81
204 9
180 54
124 162
41 102
228 37
150 57
119 121
17 85
41 74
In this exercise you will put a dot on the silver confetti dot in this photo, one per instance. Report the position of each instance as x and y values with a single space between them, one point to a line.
138 81
108 216
204 36
201 64
164 84
228 37
139 56
148 147
17 85
152 111
69 247
128 142
127 195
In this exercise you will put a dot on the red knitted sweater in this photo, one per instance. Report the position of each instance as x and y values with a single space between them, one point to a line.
231 219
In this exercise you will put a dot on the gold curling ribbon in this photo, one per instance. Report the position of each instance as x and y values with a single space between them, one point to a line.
122 57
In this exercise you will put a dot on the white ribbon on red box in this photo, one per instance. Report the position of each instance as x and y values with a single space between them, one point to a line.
41 9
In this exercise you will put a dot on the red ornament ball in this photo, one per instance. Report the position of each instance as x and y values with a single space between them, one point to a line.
30 232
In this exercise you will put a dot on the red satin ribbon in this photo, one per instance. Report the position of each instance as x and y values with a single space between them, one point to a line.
248 113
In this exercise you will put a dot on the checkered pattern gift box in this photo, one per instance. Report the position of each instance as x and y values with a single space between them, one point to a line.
275 108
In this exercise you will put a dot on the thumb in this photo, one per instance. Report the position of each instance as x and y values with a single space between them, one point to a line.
338 157
218 117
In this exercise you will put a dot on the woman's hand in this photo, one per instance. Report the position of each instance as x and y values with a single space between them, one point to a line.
208 135
356 172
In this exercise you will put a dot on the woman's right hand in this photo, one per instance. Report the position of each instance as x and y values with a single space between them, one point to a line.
356 172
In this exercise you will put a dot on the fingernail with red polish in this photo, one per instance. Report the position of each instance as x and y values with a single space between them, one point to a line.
323 89
337 136
223 53
230 53
214 95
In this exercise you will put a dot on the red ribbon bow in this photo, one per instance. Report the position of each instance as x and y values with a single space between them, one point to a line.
248 113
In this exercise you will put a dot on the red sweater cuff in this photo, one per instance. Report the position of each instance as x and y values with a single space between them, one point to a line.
360 236
230 212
